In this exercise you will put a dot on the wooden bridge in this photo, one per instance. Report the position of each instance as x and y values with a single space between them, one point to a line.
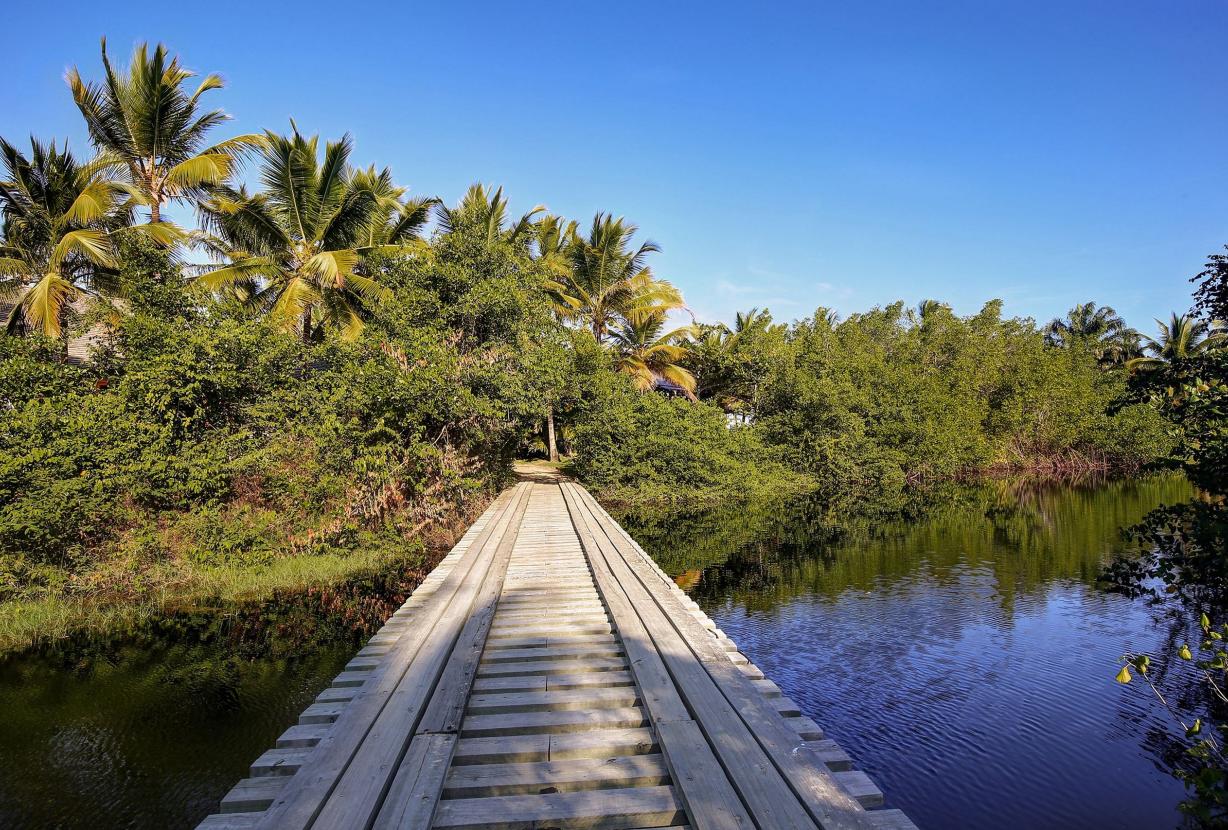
548 675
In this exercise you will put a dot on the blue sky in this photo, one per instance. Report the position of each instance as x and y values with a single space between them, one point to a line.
783 155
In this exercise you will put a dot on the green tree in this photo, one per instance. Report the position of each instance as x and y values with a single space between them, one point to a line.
58 219
484 212
146 122
297 245
1182 337
1099 328
609 280
649 353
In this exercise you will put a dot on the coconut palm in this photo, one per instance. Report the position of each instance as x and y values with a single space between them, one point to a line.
299 243
650 354
1182 337
400 221
1100 328
608 280
57 244
1083 323
554 237
149 125
485 212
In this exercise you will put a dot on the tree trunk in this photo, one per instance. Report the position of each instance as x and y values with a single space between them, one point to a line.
551 447
155 211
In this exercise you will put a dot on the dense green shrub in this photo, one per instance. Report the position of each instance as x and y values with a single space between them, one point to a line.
639 447
887 396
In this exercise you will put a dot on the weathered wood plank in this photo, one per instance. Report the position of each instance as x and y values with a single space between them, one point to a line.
484 780
813 784
300 803
710 797
766 795
357 796
632 807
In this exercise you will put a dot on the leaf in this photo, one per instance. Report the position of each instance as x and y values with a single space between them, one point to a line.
93 245
1124 676
207 168
1194 729
1184 652
1206 622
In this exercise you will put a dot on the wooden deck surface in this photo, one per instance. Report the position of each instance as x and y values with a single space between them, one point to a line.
547 674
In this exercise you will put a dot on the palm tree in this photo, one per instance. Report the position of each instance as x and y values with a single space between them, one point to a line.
1083 323
751 320
608 280
555 237
58 219
298 243
1182 337
400 221
151 127
485 212
1099 327
650 354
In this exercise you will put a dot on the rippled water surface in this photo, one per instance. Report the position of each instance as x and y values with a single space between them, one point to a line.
964 659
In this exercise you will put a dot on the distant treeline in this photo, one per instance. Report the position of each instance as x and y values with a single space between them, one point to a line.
326 366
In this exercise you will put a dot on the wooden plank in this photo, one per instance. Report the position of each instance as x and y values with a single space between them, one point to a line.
479 726
543 667
357 796
583 699
710 797
414 794
418 783
632 807
766 795
485 780
813 784
252 794
299 804
279 762
568 652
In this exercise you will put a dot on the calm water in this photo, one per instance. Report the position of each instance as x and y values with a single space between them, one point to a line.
965 660
149 728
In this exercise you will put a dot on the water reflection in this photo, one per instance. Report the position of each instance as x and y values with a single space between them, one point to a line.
148 728
963 656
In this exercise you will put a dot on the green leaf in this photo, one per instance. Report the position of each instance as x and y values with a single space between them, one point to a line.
1195 729
1184 652
1123 676
1206 622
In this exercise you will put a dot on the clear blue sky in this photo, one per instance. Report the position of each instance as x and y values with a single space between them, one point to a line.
783 155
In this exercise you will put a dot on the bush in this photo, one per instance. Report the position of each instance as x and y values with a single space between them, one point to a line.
637 447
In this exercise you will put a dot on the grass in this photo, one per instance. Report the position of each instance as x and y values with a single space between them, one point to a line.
122 597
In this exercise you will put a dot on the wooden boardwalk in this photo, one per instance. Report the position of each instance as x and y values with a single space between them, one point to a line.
548 675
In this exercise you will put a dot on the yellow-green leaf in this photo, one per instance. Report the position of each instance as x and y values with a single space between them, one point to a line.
1124 676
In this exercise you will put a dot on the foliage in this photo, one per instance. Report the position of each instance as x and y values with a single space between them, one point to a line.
1181 338
1206 773
58 244
1098 328
638 448
340 375
1185 556
883 398
150 127
294 250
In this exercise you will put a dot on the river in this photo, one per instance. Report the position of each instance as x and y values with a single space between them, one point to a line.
965 659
